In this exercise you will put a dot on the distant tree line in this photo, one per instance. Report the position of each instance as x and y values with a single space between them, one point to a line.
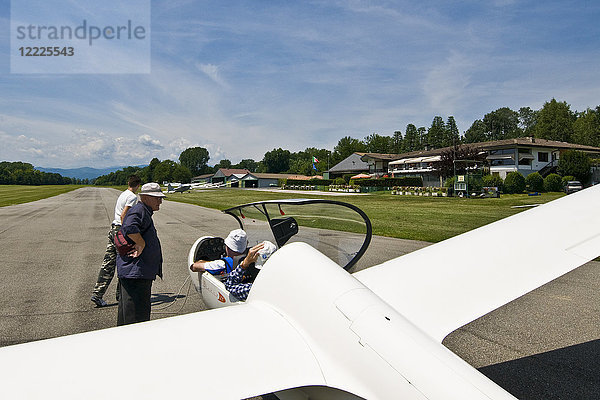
20 173
194 162
554 121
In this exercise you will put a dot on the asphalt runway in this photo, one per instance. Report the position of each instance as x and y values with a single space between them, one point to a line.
544 345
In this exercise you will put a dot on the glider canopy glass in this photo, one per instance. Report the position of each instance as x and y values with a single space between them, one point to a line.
339 230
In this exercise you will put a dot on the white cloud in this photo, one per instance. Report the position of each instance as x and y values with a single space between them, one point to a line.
212 71
147 141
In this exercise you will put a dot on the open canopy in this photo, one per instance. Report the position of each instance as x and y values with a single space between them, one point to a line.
339 230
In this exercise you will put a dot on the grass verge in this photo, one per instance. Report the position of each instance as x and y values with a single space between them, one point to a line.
17 194
429 219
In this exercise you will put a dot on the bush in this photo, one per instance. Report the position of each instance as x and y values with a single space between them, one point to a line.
450 182
493 181
475 184
534 182
391 182
514 183
553 183
347 177
339 181
314 181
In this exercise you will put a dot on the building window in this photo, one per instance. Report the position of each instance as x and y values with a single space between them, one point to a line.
525 157
501 157
543 157
525 161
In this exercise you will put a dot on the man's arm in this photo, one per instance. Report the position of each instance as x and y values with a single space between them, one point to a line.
132 229
198 266
124 212
252 255
215 267
234 284
131 201
140 244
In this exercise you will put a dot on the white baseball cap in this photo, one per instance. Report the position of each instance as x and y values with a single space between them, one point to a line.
237 240
265 253
152 189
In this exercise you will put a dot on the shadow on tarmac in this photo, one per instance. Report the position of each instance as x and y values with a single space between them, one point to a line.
569 373
158 299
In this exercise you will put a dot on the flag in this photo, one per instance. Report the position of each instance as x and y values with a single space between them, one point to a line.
315 160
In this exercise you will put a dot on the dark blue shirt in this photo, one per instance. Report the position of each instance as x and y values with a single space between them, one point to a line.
149 263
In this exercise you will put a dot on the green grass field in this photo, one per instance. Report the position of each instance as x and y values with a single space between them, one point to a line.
17 194
430 219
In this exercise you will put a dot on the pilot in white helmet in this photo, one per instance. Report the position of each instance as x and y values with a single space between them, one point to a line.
235 245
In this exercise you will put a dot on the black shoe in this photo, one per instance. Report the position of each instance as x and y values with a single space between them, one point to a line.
99 301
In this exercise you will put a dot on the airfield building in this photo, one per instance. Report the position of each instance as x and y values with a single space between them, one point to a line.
524 155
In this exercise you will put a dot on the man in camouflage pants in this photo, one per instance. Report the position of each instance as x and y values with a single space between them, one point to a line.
126 200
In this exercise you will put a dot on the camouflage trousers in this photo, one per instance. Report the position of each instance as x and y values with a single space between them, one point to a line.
107 270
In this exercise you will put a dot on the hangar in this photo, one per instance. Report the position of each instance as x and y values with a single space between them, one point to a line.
243 178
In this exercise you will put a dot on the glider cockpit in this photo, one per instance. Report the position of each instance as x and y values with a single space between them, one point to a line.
339 230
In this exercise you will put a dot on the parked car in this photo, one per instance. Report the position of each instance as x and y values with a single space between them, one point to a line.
573 186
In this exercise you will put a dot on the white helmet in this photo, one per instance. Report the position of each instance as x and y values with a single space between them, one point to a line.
237 240
265 253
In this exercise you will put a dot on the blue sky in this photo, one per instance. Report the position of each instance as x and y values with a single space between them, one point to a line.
243 77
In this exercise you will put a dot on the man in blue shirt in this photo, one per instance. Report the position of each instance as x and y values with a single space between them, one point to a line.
126 200
137 270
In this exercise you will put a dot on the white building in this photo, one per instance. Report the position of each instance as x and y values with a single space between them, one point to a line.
524 155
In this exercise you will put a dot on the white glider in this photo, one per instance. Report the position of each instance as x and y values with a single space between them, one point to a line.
375 334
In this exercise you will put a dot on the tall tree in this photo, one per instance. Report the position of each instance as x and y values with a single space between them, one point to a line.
181 174
555 121
378 144
345 147
435 134
224 163
247 163
195 159
476 133
527 120
586 129
164 171
310 161
301 166
422 134
451 135
277 160
502 123
575 163
411 139
397 142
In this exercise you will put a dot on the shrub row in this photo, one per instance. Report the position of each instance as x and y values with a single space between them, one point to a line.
390 182
319 182
516 183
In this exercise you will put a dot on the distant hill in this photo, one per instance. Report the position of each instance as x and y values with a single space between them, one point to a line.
82 173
